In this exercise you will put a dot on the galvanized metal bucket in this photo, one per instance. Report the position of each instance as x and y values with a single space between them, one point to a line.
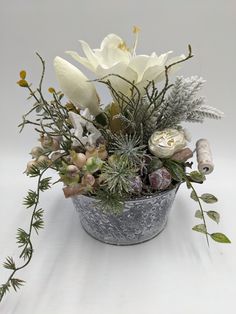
142 218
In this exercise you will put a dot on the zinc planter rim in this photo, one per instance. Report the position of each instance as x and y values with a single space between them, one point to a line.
137 198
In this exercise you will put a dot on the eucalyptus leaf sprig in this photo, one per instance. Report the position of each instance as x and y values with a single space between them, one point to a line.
212 214
179 173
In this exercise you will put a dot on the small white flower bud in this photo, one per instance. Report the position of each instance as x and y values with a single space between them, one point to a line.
30 165
36 151
72 171
55 156
46 141
55 145
43 160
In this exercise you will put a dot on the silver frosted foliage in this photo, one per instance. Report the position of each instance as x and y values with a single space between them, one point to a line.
141 219
183 104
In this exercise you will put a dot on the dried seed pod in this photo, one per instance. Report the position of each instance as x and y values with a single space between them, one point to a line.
160 179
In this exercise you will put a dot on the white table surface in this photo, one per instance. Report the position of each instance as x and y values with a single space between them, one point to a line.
71 273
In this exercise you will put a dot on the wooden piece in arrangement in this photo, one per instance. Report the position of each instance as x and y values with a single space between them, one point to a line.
204 156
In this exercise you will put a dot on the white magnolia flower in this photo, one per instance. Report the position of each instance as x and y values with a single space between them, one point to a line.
114 57
74 84
80 125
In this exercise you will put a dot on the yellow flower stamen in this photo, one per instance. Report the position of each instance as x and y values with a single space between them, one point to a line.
123 46
136 31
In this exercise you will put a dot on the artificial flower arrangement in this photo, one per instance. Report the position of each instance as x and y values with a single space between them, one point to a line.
132 148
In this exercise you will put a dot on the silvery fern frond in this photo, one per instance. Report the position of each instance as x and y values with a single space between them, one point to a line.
182 105
204 111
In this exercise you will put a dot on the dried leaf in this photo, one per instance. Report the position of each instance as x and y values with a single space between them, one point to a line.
23 74
51 90
23 83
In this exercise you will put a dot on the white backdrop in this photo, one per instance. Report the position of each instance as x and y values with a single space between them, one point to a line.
71 273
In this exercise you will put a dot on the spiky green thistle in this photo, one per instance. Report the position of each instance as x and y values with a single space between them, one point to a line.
128 146
117 175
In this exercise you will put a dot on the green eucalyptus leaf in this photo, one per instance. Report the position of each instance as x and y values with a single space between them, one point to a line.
197 176
198 214
155 164
213 215
193 195
208 198
176 169
200 228
220 237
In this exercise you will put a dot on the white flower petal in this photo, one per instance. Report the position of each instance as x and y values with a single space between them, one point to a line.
163 58
139 65
79 124
92 58
110 57
151 74
111 41
76 121
113 57
74 84
82 60
119 84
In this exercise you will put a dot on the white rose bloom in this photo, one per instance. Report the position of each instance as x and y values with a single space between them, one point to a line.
74 84
114 57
